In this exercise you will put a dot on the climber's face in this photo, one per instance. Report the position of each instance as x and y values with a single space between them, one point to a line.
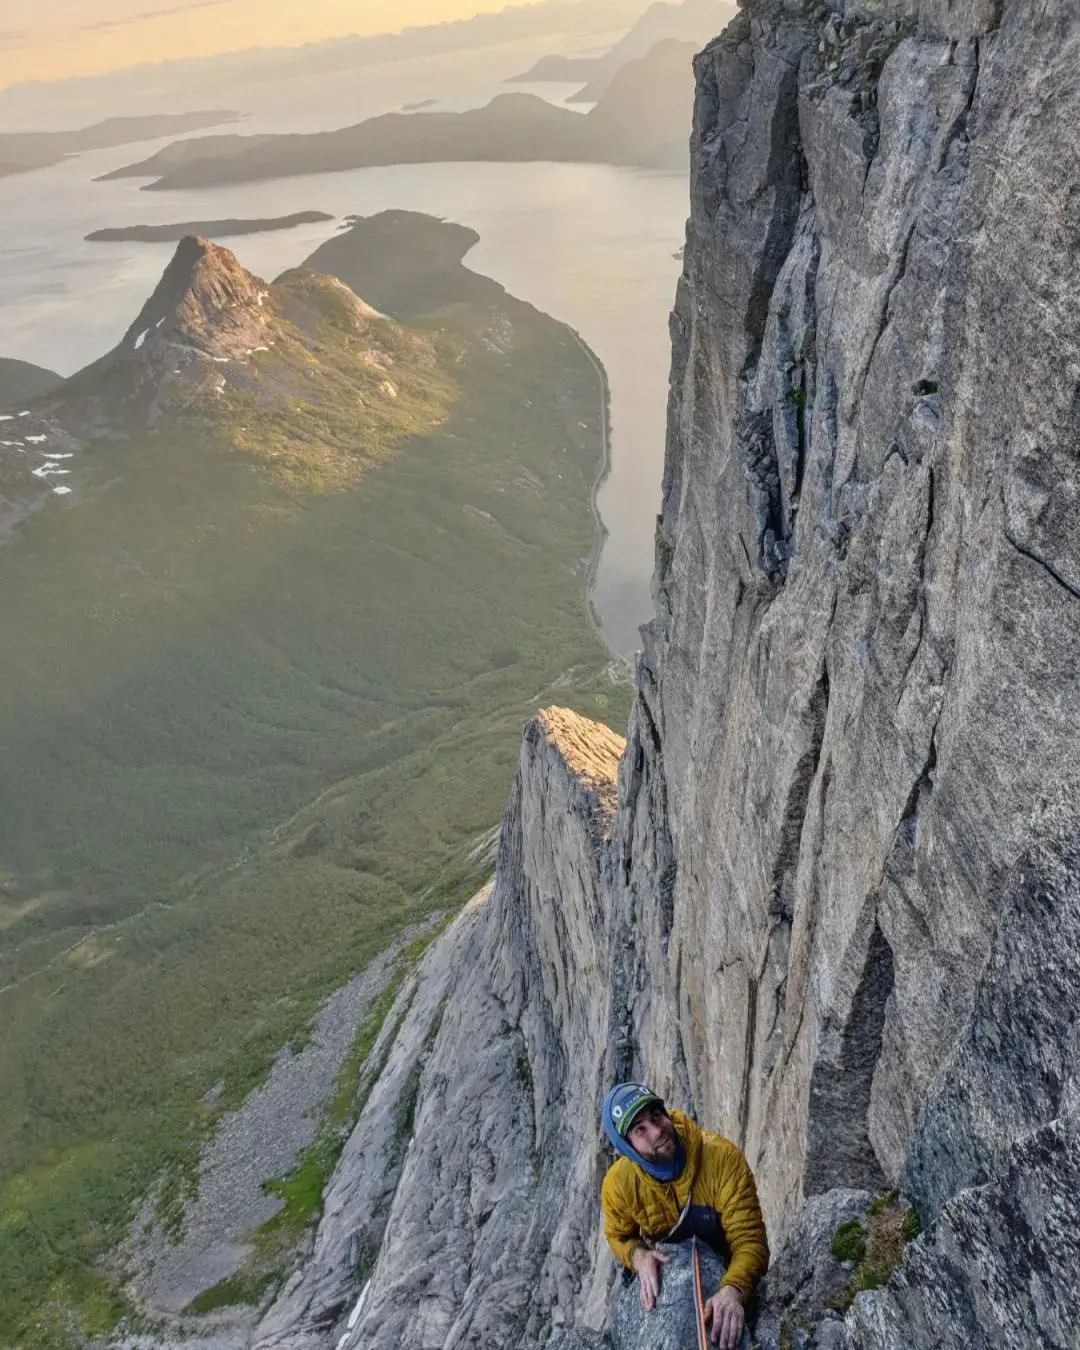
653 1134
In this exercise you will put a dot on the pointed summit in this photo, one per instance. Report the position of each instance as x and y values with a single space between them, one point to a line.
218 348
206 316
205 300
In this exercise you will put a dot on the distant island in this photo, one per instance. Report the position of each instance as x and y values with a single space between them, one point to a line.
643 119
178 153
557 70
512 23
23 151
693 21
210 229
419 105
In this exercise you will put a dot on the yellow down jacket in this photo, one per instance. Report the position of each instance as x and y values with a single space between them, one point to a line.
638 1209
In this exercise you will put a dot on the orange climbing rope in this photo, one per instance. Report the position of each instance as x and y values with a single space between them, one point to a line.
702 1340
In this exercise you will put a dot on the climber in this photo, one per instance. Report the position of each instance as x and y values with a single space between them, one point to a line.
673 1181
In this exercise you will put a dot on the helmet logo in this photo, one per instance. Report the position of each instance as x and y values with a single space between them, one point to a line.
624 1103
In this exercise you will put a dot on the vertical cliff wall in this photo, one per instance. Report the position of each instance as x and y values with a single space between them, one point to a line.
860 686
865 653
836 912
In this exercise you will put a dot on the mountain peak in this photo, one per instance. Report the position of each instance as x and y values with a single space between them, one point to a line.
204 299
216 345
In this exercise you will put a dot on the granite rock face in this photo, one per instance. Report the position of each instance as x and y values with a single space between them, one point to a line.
864 661
672 1323
805 1278
835 911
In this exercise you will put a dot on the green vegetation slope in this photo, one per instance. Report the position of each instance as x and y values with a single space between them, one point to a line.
273 656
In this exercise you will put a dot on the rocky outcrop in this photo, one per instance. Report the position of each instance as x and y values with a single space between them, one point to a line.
836 912
202 334
672 1323
465 1201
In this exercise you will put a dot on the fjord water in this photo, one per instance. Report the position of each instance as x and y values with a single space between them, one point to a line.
590 244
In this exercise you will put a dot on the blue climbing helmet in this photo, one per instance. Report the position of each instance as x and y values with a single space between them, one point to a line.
621 1105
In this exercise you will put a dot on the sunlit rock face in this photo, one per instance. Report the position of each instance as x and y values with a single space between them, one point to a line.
835 911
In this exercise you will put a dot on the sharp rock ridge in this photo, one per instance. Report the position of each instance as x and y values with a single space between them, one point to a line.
197 334
490 1082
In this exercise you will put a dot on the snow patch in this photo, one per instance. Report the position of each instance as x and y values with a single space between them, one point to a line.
354 1316
141 338
50 471
36 440
55 454
62 491
7 417
25 414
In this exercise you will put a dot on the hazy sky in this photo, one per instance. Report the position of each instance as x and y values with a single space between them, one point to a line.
50 39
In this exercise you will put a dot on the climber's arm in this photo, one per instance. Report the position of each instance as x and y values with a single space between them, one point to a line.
620 1227
736 1201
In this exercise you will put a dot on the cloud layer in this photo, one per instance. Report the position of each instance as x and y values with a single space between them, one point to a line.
146 15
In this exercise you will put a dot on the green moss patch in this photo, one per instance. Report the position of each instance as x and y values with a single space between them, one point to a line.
849 1242
876 1247
237 1291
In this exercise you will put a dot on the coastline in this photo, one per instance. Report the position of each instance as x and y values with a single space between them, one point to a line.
601 535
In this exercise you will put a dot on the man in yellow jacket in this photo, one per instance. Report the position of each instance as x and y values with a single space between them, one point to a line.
673 1181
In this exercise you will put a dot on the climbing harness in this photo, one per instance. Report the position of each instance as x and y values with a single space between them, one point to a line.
699 1307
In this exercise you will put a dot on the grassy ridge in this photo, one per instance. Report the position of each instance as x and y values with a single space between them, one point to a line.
250 729
21 380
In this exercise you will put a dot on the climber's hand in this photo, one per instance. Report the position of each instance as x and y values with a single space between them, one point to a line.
724 1315
647 1263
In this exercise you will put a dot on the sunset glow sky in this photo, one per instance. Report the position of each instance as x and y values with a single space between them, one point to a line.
85 37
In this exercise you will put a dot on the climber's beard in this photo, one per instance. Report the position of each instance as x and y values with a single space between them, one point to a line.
663 1145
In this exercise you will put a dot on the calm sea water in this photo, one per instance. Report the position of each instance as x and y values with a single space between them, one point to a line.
590 244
